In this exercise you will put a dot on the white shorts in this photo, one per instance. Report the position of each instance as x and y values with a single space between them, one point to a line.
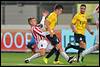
49 47
42 44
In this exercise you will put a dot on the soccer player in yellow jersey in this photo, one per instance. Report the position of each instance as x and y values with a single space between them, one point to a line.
96 46
79 24
50 23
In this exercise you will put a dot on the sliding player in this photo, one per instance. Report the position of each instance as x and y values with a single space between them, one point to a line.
31 45
38 42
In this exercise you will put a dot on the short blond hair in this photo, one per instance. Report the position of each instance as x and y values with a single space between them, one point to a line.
29 19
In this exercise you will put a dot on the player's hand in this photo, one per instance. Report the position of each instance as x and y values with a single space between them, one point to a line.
51 35
92 33
74 31
45 13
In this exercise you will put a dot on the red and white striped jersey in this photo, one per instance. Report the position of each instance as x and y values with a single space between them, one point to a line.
37 33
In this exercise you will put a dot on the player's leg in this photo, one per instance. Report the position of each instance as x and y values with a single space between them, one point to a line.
88 51
45 59
57 53
58 47
56 61
69 59
36 55
64 55
80 39
91 49
82 43
69 45
80 51
54 42
78 47
42 45
40 53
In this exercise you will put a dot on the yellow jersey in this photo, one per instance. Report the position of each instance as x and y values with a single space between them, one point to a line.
80 21
52 18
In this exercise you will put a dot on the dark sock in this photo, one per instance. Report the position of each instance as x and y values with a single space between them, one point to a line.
51 53
57 55
79 52
75 47
68 47
29 46
72 46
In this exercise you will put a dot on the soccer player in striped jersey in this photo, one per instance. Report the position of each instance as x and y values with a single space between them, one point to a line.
36 31
38 41
96 46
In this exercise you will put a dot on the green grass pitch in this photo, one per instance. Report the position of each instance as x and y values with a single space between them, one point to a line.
17 59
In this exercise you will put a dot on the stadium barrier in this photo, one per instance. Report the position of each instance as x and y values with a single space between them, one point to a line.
16 39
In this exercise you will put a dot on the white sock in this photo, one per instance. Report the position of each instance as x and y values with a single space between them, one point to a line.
87 51
34 56
66 57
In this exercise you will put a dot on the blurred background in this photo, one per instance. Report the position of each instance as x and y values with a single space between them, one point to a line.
15 29
17 12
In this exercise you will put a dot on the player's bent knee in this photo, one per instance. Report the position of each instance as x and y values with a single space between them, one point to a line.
61 50
59 47
82 44
42 52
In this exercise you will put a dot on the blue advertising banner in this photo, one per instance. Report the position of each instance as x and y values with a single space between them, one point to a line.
68 36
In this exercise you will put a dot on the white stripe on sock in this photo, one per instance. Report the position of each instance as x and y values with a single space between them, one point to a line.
34 56
65 56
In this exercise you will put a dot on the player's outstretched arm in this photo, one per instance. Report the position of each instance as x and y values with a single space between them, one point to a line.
89 30
73 28
45 14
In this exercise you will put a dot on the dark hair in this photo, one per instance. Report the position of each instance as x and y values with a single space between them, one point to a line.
29 19
83 5
58 6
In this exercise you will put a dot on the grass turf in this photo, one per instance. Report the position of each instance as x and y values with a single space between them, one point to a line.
17 59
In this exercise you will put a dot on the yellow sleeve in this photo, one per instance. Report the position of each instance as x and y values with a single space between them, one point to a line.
50 18
74 19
